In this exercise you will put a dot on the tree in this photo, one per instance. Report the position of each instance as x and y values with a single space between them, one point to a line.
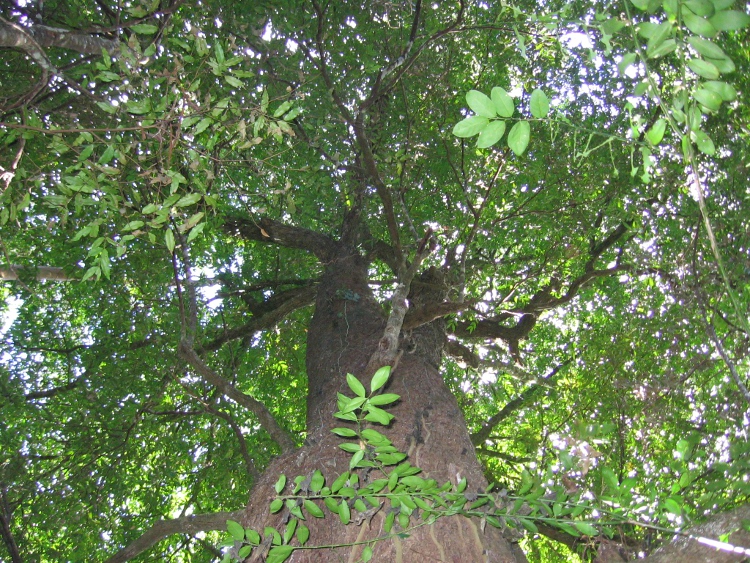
259 198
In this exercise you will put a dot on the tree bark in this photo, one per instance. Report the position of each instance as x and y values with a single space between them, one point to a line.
345 330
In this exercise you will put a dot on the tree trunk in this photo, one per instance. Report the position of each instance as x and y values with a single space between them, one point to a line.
429 426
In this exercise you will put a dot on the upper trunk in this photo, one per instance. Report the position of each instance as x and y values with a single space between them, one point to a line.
429 426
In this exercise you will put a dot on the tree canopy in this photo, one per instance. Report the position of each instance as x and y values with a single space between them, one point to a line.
558 189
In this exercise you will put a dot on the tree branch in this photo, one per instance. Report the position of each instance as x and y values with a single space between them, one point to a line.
6 516
42 273
275 309
274 232
13 35
267 421
388 346
165 528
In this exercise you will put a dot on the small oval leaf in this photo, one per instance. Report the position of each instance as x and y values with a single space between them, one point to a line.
539 104
355 385
470 126
518 138
236 530
503 102
491 134
480 103
380 378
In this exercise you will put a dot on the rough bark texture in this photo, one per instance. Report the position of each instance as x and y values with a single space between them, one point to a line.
345 330
691 550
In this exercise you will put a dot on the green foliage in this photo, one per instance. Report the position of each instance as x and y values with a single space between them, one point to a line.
489 128
414 501
127 161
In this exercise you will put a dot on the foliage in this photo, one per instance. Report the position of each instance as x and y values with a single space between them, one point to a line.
604 196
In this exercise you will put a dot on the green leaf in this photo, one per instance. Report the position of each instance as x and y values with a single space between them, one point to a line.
350 416
654 136
539 104
729 20
664 49
245 552
491 134
291 526
138 108
350 447
282 109
701 7
388 525
384 399
107 107
640 4
380 416
303 534
356 458
236 530
366 554
252 536
724 65
699 25
280 553
660 34
317 481
480 103
374 437
611 26
203 124
518 138
280 484
276 505
144 28
355 385
706 47
725 91
502 101
344 512
232 81
313 508
704 143
461 487
470 126
610 479
703 68
708 98
353 404
380 378
344 432
672 506
189 199
340 482
169 239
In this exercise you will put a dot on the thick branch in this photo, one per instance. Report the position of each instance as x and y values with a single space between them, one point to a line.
52 392
431 311
388 346
270 231
267 421
271 313
43 273
693 547
165 528
13 35
458 350
6 516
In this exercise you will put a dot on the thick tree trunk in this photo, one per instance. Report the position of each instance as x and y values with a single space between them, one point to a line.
344 332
